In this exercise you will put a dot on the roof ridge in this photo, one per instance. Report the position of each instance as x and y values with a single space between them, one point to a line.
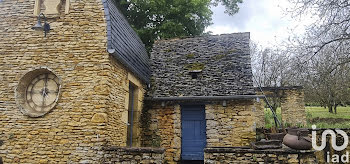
202 36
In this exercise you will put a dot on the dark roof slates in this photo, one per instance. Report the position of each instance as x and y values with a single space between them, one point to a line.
124 52
143 59
225 60
128 47
136 50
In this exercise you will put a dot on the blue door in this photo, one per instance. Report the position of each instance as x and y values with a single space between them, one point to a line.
193 132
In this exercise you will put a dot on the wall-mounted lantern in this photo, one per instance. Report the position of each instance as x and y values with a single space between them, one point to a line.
38 26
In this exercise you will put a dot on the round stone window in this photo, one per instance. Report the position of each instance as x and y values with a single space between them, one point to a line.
38 92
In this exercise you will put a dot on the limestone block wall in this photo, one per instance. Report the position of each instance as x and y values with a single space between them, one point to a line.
293 107
164 129
118 84
133 155
118 101
233 125
239 155
259 113
92 101
229 126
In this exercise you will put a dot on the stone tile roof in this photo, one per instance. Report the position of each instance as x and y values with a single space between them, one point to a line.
124 44
224 61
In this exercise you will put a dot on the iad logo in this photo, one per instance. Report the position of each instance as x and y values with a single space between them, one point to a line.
335 157
324 138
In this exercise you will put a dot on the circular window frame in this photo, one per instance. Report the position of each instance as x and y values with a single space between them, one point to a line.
21 92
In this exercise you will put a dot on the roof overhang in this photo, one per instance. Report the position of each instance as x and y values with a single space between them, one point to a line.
204 98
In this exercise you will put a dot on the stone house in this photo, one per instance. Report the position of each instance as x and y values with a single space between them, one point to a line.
201 95
67 95
75 94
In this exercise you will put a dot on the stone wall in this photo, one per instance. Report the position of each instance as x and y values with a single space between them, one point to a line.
164 130
93 95
233 125
118 104
259 113
293 107
133 155
246 155
328 153
291 101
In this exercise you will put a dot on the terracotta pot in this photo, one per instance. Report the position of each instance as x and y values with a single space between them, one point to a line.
297 138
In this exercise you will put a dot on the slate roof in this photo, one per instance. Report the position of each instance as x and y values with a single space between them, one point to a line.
124 44
224 60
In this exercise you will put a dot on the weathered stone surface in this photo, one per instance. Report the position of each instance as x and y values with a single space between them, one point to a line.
93 82
233 125
224 62
168 133
226 155
259 111
52 6
293 107
99 118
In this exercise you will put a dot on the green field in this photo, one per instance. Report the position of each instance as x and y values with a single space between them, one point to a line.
318 116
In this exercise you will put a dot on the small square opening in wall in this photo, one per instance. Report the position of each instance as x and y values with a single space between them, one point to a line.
195 73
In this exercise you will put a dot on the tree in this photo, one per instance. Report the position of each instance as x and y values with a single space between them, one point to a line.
162 19
230 5
330 27
322 54
270 68
326 84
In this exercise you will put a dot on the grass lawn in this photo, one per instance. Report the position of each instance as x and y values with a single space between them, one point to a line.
323 119
318 116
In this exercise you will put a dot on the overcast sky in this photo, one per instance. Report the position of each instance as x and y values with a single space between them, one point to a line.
264 19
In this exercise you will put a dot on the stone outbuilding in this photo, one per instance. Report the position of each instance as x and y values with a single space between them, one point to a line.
201 96
72 95
76 92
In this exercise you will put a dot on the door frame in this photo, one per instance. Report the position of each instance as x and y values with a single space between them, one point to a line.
201 106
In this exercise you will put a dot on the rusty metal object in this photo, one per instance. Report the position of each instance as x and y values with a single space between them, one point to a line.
276 136
297 138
